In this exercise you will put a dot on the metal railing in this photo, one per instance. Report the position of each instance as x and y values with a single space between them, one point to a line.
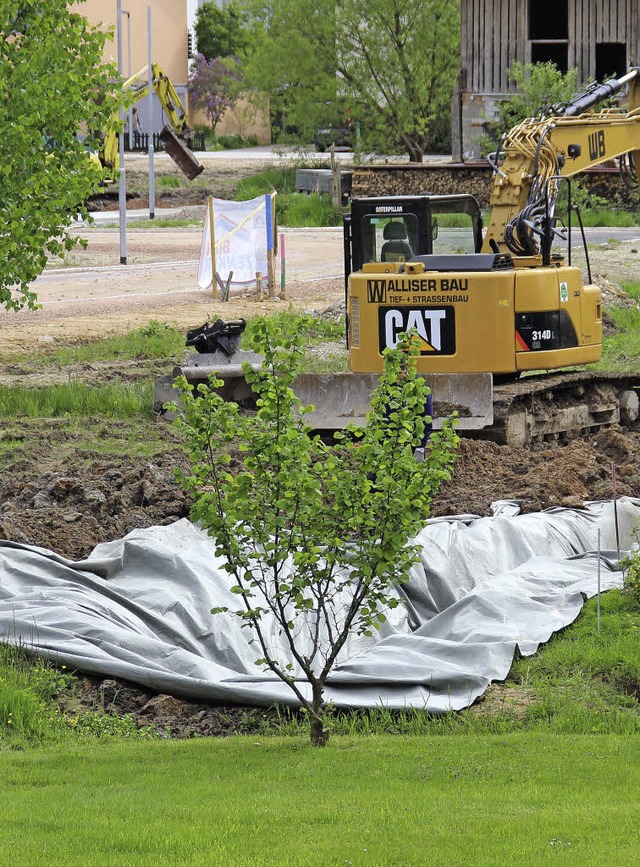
140 142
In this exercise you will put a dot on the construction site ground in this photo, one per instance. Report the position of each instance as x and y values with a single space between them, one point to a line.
67 487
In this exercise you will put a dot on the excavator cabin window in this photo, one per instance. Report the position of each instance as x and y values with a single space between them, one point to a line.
389 239
452 232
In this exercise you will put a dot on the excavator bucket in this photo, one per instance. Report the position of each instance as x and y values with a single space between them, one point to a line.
339 398
180 153
343 398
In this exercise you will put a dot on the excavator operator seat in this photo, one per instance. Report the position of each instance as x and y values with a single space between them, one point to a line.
396 247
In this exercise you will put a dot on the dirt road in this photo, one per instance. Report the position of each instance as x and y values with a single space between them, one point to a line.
91 294
95 296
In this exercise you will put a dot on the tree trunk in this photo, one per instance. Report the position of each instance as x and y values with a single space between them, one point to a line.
415 154
319 732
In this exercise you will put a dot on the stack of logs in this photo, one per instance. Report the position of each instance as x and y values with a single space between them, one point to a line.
474 178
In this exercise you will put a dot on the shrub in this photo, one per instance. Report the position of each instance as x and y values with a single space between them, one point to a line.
631 569
539 86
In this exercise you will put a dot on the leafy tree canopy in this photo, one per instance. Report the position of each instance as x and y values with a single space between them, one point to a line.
292 58
53 84
392 62
221 32
539 86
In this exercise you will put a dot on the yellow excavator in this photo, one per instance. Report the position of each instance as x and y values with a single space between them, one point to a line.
510 305
176 135
491 308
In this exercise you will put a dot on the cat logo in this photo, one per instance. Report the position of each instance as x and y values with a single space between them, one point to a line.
435 327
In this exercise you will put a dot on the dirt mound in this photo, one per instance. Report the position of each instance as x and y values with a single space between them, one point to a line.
69 502
166 715
542 478
74 497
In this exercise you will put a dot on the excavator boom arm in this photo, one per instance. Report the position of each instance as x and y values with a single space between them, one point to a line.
540 150
137 87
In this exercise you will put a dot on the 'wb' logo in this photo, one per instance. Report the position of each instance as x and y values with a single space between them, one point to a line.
596 144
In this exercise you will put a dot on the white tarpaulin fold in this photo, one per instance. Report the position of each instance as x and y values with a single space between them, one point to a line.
139 609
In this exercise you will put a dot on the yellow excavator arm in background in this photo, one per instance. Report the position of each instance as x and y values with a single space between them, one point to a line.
177 135
539 151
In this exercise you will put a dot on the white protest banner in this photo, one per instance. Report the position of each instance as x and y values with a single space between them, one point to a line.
240 242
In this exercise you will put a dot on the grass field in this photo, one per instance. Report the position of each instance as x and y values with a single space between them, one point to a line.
516 799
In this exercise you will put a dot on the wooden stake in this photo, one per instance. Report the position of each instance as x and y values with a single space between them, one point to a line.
212 237
271 273
336 191
271 244
225 288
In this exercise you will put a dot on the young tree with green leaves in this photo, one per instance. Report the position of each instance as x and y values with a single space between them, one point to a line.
53 83
538 87
315 537
395 62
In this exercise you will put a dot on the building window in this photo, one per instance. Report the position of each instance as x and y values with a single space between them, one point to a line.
611 60
545 52
549 32
548 19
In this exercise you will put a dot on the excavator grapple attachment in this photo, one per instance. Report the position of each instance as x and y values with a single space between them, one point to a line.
180 153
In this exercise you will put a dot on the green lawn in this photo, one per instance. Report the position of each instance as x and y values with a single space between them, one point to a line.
493 800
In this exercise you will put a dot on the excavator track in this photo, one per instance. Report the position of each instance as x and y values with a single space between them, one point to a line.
559 407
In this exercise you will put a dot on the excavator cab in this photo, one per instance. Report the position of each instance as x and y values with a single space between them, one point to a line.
393 229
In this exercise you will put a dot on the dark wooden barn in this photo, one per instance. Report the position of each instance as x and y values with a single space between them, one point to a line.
599 37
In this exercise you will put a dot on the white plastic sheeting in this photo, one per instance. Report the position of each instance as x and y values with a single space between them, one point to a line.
139 609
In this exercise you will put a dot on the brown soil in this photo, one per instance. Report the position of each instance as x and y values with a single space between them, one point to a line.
61 491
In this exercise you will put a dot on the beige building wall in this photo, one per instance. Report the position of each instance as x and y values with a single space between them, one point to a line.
168 33
169 29
245 118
